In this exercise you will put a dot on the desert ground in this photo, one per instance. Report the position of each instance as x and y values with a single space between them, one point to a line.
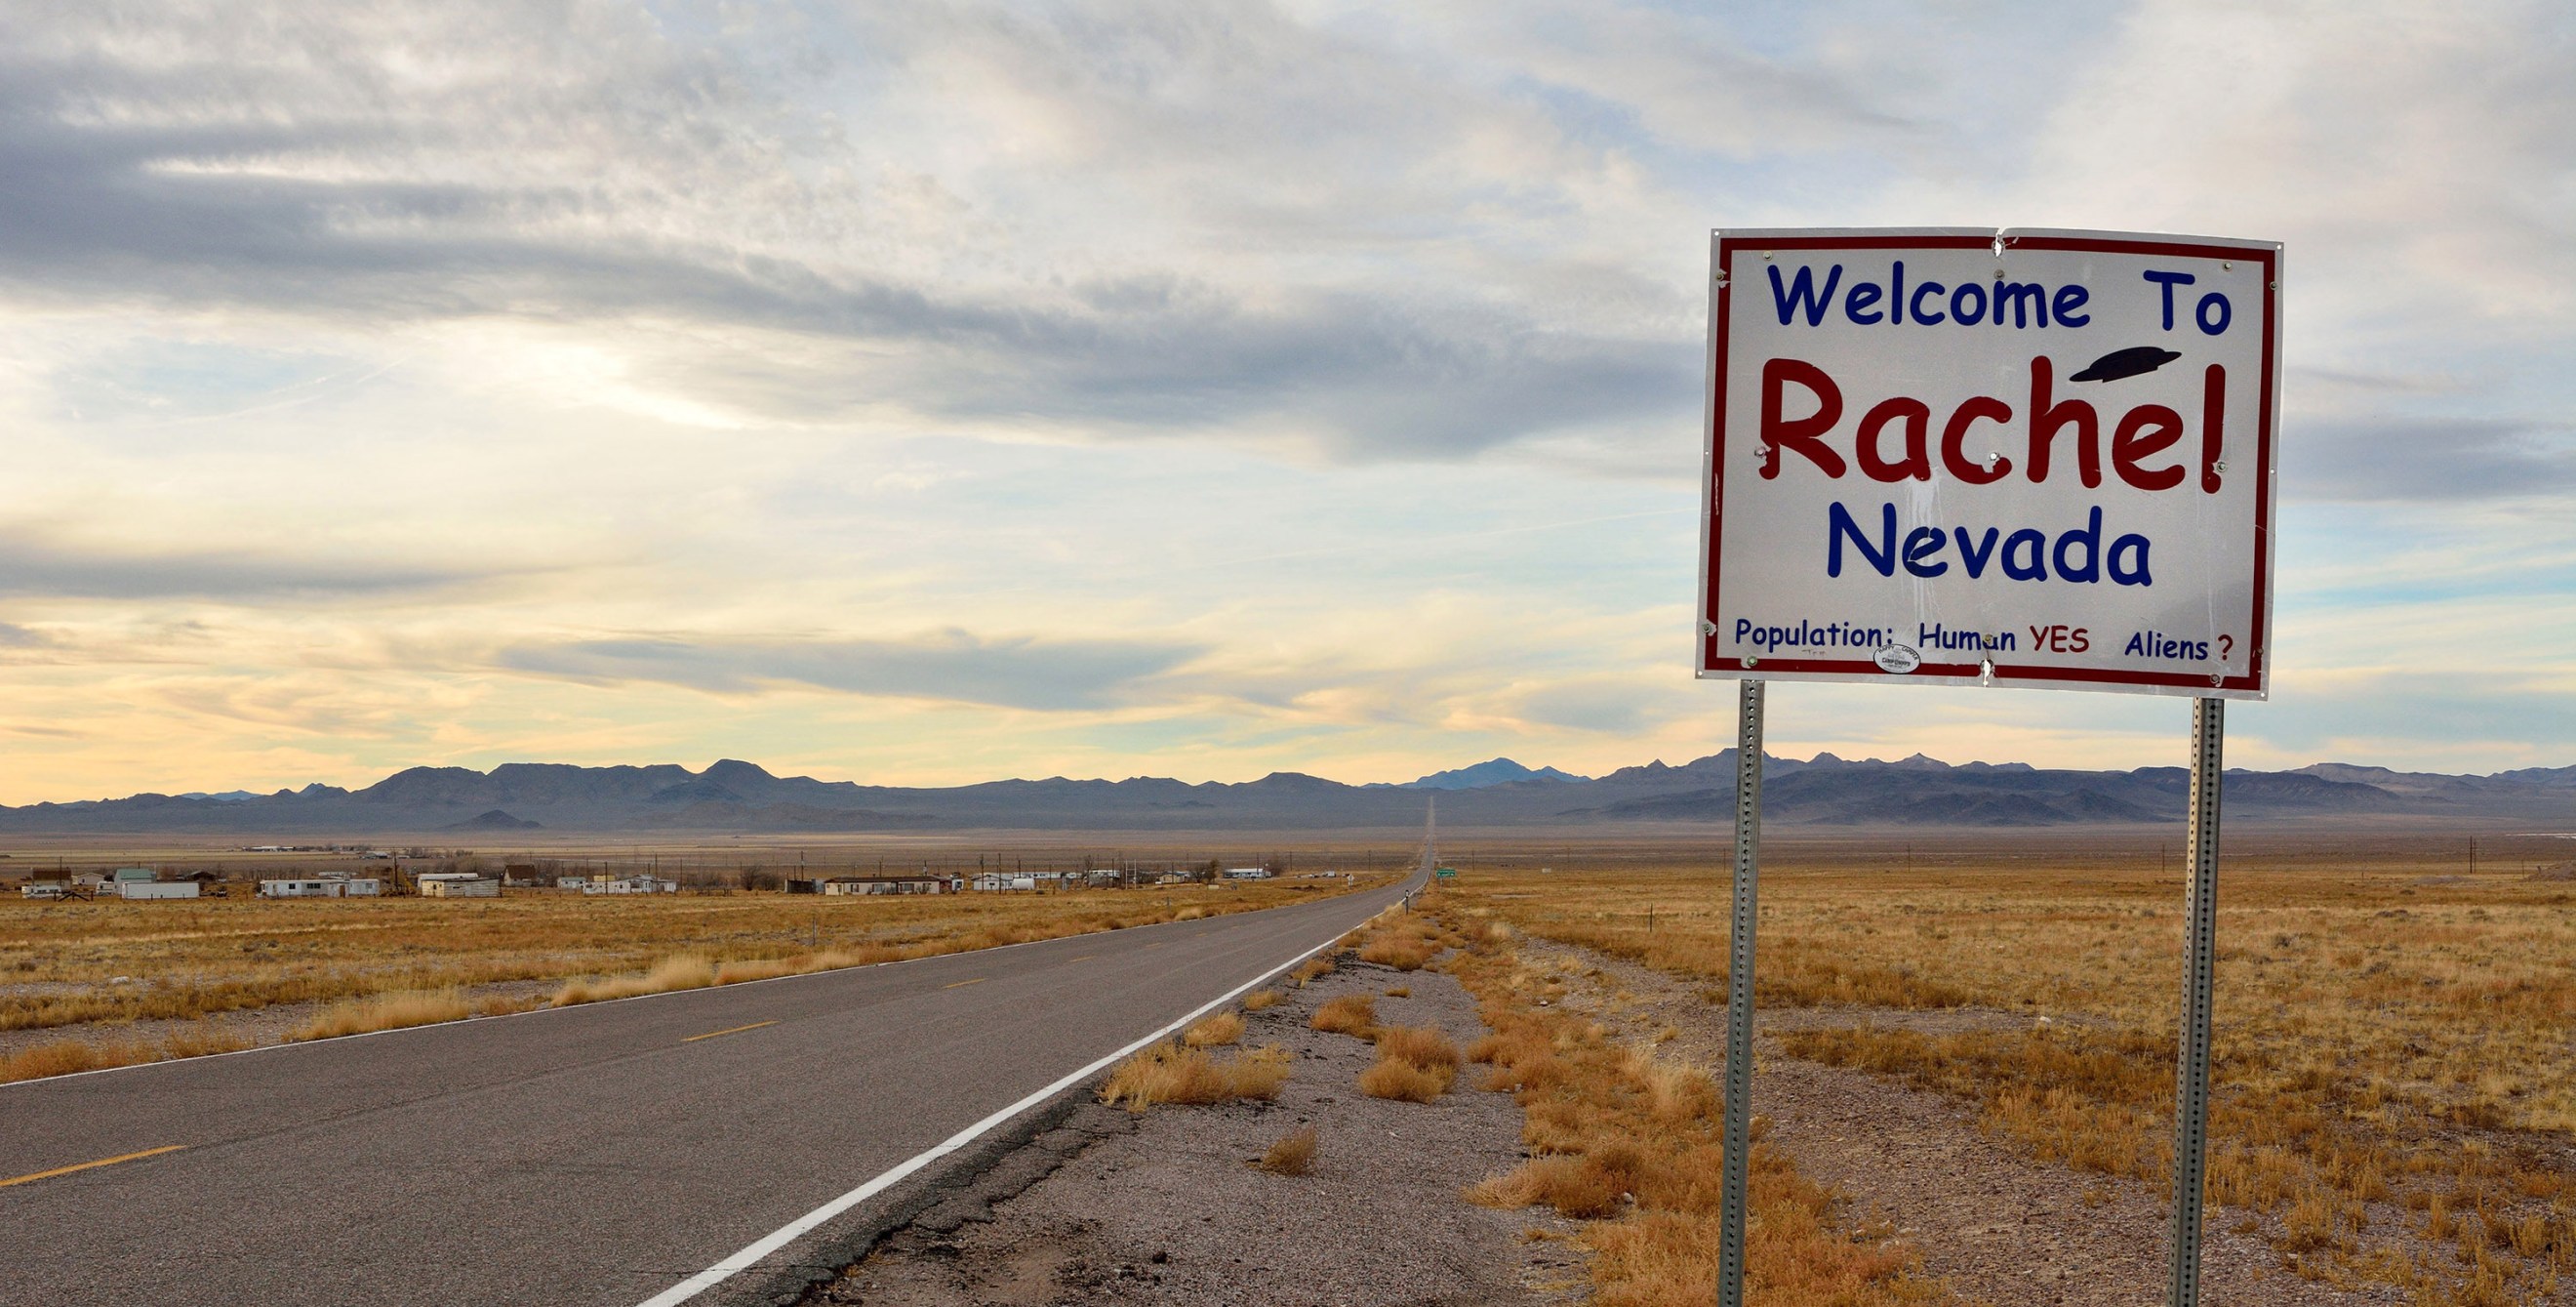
1964 1079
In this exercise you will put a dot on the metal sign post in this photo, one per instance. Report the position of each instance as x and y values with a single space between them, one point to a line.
1739 994
2200 955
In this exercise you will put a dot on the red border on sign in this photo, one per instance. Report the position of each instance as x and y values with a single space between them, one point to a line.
2250 682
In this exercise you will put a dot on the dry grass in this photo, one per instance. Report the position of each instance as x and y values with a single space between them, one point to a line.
2392 1064
1260 1000
384 1012
1214 1032
1402 940
1293 1154
184 960
1633 1145
1403 1082
1422 1046
1399 991
1415 1064
1170 1073
65 1056
1310 968
1350 1014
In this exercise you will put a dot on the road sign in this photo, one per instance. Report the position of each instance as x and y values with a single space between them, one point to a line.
2034 458
1446 873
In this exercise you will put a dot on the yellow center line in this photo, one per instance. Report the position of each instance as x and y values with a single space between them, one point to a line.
104 1161
964 983
734 1031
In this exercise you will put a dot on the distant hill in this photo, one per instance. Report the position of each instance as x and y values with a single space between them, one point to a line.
1499 771
1821 792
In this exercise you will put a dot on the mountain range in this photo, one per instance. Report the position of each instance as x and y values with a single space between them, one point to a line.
1823 791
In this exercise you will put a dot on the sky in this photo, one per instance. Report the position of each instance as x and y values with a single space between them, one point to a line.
923 393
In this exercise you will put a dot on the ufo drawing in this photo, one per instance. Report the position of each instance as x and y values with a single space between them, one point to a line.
2136 360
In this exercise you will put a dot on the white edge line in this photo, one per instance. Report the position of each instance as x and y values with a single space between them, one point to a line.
167 1062
793 1230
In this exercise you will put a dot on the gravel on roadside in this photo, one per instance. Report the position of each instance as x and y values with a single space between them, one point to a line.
1166 1208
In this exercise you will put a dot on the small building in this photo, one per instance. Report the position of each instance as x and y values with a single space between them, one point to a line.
156 889
458 885
804 885
43 889
322 887
992 882
129 875
1247 873
921 884
520 875
571 882
1104 878
638 884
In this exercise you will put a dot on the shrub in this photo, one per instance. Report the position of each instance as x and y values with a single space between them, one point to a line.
1403 1082
1223 1028
1351 1014
1260 999
384 1012
1294 1154
1170 1073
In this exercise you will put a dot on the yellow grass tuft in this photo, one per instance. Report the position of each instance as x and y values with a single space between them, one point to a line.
1415 1064
66 1056
1215 1031
1351 1014
1260 999
1309 969
1170 1073
672 974
1423 1046
384 1012
1294 1154
1403 1082
1399 991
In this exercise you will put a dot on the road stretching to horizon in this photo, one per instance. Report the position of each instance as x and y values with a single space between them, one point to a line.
600 1154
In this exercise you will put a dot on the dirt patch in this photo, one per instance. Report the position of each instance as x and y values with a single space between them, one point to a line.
1167 1207
1998 1228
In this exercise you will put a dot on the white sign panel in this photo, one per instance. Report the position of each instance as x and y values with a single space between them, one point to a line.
2035 458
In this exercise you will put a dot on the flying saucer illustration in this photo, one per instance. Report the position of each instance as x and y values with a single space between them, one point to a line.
2136 360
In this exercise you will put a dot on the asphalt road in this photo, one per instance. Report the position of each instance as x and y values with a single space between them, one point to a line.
599 1154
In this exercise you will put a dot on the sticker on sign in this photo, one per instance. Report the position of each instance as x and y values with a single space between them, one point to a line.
2019 457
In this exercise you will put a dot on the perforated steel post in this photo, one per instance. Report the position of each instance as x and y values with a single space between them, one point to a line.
2200 954
1739 995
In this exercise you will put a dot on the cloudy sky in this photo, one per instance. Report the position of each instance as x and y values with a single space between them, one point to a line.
923 393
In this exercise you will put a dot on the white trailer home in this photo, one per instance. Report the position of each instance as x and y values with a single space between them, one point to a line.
458 885
630 885
156 889
885 885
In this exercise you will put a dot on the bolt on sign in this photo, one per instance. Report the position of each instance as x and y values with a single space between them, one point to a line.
2019 457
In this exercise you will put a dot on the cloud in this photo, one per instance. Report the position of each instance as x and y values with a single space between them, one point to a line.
2436 459
30 567
304 161
1022 672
